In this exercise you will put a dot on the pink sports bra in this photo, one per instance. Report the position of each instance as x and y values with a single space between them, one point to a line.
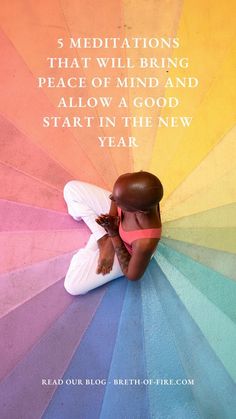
129 236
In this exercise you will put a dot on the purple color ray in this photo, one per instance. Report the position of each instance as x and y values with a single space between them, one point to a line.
19 216
23 248
23 327
50 357
21 285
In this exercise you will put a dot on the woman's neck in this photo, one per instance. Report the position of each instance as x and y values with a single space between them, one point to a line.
151 215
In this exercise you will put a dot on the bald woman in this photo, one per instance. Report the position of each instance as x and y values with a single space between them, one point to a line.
125 226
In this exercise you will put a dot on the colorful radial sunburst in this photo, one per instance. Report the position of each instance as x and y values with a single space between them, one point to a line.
179 321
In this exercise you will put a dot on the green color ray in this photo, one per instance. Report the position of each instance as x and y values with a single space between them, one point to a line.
219 289
215 238
217 327
222 262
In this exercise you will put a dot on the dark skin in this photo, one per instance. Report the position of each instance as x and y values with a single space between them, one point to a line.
106 248
126 195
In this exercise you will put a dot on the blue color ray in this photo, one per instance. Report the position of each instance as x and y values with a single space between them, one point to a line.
129 398
91 361
162 358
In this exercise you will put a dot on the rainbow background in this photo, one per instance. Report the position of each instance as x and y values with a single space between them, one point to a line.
179 321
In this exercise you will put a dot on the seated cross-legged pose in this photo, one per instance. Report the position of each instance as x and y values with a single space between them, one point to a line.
125 225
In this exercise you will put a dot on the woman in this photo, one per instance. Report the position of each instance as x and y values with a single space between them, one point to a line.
125 230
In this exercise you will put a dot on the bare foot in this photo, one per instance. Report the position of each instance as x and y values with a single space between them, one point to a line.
106 255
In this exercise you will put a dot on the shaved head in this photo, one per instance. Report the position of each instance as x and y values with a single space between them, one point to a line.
138 190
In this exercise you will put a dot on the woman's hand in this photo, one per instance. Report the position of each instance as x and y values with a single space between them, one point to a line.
110 223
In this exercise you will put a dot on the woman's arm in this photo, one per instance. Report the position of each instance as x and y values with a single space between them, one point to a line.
133 266
122 253
113 209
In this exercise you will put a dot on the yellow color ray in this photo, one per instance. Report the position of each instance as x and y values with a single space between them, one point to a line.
213 238
216 116
220 161
221 192
224 216
205 39
150 19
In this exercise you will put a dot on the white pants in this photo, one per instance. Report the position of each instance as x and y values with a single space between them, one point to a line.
86 201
